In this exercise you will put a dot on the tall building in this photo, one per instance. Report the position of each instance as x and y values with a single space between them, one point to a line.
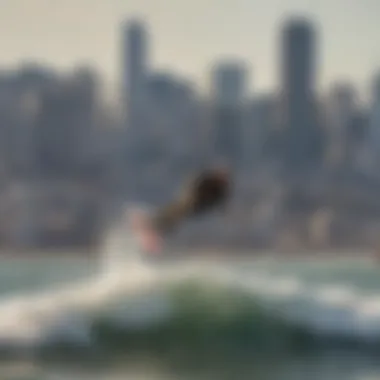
134 74
169 150
228 91
172 112
302 137
228 86
135 70
375 115
341 109
169 99
19 103
64 125
374 123
259 129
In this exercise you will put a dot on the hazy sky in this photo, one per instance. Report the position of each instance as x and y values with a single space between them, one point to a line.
188 34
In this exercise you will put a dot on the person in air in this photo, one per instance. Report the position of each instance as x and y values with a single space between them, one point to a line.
206 192
209 190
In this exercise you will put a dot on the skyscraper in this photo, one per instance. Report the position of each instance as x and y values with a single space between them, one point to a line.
374 124
229 83
302 139
260 128
228 89
135 69
341 110
64 125
172 112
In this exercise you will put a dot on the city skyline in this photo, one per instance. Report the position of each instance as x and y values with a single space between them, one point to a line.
62 34
299 149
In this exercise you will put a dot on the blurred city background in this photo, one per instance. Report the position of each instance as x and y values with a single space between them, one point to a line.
305 160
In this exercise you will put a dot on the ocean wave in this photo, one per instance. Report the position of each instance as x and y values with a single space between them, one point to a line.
181 307
132 302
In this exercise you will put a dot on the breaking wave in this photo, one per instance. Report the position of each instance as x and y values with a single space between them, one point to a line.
133 301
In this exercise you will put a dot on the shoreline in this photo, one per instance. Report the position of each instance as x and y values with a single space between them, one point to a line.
278 254
182 252
50 253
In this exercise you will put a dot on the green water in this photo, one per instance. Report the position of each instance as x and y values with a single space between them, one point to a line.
33 274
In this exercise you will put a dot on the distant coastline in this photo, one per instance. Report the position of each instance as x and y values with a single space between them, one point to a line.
182 251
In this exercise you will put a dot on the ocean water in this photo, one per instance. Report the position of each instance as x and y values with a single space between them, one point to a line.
125 316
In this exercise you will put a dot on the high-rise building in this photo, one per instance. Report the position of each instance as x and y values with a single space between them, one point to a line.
19 104
228 90
229 83
302 137
341 109
172 112
64 125
169 150
259 129
134 74
374 124
135 69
